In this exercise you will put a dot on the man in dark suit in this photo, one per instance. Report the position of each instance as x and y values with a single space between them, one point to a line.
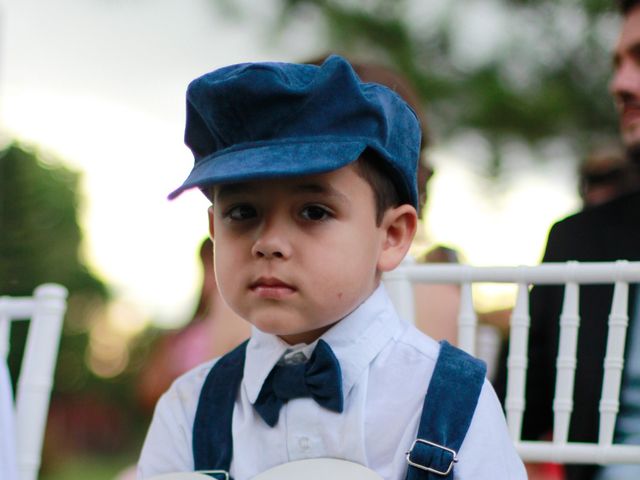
606 232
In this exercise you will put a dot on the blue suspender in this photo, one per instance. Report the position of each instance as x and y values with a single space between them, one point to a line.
448 408
212 438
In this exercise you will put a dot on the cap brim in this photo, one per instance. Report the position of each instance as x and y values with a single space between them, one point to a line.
270 160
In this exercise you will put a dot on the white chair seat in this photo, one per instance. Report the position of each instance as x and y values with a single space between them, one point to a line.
319 469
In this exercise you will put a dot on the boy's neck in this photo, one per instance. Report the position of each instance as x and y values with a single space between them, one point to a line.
306 337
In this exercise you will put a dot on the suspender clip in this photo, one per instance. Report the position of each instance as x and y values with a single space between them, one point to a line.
424 450
216 474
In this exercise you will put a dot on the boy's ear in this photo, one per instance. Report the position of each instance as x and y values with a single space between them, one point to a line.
399 225
210 213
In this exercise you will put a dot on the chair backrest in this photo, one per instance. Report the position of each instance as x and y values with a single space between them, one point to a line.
23 421
571 275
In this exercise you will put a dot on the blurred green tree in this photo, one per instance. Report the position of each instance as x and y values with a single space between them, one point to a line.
512 70
41 238
41 241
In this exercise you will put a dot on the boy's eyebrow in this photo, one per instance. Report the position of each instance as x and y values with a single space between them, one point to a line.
227 189
230 189
324 189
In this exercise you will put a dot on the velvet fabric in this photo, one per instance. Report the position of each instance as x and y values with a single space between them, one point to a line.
212 445
265 120
319 378
449 406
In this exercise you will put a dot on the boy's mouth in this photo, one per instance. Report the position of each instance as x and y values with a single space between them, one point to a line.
271 287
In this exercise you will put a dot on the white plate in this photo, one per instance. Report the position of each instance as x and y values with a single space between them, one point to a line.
311 469
319 469
181 476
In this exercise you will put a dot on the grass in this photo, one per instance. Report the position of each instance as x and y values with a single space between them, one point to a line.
89 468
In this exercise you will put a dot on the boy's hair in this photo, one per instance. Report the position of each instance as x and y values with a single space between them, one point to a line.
385 194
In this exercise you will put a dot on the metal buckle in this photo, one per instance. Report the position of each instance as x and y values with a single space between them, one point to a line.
224 474
453 453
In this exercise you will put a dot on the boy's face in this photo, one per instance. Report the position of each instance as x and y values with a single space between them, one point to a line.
295 255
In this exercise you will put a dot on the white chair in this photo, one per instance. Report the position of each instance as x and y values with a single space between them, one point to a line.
22 423
571 274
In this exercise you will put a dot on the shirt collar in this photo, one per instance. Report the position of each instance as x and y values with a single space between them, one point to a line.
355 341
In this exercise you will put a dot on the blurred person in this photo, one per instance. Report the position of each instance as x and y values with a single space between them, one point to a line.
606 174
608 231
214 329
437 305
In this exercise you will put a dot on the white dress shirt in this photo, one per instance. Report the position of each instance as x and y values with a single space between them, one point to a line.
386 367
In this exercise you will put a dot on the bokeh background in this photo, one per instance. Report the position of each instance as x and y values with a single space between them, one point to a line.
91 121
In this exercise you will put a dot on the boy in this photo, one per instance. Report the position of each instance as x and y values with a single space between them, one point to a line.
312 178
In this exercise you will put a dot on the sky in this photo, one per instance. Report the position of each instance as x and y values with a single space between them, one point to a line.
101 83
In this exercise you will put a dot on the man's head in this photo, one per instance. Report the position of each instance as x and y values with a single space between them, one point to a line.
625 83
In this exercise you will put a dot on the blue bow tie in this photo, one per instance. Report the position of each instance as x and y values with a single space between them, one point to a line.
319 378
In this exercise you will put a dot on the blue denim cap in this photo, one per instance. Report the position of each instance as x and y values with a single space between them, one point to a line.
267 120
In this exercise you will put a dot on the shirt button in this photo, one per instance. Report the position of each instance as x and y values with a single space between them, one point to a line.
303 443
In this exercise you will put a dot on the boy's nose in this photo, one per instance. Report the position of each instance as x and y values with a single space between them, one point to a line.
272 243
267 251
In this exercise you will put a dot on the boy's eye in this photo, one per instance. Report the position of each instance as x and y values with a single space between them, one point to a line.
315 213
241 212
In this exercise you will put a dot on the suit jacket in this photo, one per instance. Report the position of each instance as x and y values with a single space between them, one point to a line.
607 232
